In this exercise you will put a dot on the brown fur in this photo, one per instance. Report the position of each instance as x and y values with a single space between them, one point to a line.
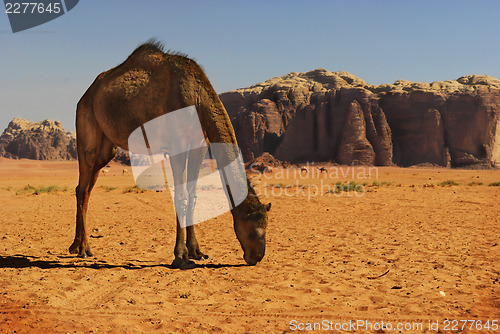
151 83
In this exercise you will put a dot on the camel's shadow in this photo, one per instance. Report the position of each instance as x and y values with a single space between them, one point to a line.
19 261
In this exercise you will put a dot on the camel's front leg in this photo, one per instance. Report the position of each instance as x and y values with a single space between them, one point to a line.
193 247
178 164
194 164
181 253
191 242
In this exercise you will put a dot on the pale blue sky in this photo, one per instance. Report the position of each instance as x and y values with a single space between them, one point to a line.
45 70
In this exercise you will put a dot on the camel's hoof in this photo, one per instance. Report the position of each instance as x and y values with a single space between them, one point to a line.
82 252
181 264
85 253
74 248
198 255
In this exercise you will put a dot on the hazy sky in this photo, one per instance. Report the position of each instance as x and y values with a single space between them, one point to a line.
45 70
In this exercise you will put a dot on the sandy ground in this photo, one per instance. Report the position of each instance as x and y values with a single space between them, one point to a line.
403 251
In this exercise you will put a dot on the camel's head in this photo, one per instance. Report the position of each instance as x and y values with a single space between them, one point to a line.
250 228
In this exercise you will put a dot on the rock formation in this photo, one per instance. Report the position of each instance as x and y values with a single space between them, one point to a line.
45 140
325 116
333 116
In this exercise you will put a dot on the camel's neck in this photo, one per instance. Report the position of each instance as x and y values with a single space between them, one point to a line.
218 128
216 122
250 204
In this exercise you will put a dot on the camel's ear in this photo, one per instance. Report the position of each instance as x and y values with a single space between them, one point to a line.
268 206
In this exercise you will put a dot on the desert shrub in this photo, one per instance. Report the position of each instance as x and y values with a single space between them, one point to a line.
346 187
48 189
134 189
494 184
474 183
108 188
448 183
28 189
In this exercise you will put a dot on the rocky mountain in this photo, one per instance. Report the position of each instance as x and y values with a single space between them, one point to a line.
45 140
335 116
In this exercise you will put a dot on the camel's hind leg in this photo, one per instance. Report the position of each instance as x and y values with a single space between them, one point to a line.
95 150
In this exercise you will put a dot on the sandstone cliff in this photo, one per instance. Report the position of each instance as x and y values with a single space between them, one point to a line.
45 140
321 115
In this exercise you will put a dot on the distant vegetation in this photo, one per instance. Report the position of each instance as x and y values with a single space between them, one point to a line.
108 188
348 186
40 190
474 183
134 189
448 183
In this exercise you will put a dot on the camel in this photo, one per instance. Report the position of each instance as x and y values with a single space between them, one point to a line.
105 171
303 170
322 169
125 172
148 84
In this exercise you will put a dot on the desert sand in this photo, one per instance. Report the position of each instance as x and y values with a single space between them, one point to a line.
402 250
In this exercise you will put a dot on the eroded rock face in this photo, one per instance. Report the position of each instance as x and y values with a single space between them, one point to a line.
354 146
322 115
45 140
333 116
